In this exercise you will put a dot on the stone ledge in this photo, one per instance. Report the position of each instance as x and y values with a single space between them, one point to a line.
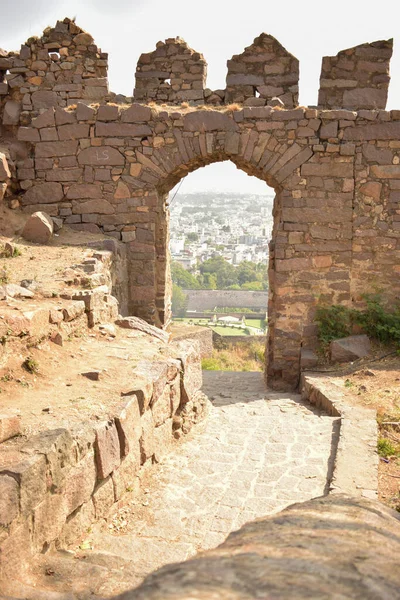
355 468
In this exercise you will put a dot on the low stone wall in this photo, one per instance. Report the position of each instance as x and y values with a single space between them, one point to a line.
232 340
55 484
355 468
327 548
202 336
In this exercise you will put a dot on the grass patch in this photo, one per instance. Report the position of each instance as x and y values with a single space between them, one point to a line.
388 448
31 365
241 357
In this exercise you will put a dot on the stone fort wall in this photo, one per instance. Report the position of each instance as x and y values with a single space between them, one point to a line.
110 165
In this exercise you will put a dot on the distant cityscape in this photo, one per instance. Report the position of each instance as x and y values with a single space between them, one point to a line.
207 224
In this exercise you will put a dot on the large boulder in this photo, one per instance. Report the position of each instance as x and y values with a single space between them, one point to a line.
324 549
38 228
350 348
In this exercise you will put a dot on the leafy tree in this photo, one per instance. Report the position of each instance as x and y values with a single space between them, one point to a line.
224 272
192 237
183 278
179 301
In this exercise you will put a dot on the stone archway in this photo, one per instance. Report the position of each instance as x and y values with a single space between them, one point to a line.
204 137
163 276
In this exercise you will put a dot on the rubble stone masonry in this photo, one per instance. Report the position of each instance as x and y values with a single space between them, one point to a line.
110 167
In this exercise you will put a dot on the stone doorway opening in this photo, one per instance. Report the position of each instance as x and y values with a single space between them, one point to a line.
166 192
220 228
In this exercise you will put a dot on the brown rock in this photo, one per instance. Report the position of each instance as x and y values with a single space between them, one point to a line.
129 425
107 449
10 426
52 149
44 193
83 190
280 557
83 39
74 310
192 378
44 99
308 359
28 134
140 325
377 131
204 120
100 206
9 499
350 348
38 228
11 113
122 130
108 113
74 131
46 119
80 482
103 155
136 114
385 171
84 112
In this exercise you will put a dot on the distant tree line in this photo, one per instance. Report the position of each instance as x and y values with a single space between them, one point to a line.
215 274
218 274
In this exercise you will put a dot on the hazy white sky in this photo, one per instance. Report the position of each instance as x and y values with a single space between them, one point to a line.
218 29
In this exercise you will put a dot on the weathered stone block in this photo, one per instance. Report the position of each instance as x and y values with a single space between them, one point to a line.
107 449
147 441
103 155
10 426
122 130
44 193
162 440
44 99
38 228
48 520
136 114
350 348
52 149
192 376
161 407
11 113
79 483
128 425
100 206
103 498
77 524
9 500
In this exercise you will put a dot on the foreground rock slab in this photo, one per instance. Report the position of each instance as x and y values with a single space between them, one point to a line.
350 348
327 548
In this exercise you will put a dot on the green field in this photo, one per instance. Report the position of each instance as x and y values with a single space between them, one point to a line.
225 331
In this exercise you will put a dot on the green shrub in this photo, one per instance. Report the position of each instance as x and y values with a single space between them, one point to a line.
387 448
335 322
378 323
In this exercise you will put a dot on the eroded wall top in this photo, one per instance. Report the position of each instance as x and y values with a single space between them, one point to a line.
266 69
172 73
58 69
356 78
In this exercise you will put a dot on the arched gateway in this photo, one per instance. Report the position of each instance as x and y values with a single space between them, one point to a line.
109 167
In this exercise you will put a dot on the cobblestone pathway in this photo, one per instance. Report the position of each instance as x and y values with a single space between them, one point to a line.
257 453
